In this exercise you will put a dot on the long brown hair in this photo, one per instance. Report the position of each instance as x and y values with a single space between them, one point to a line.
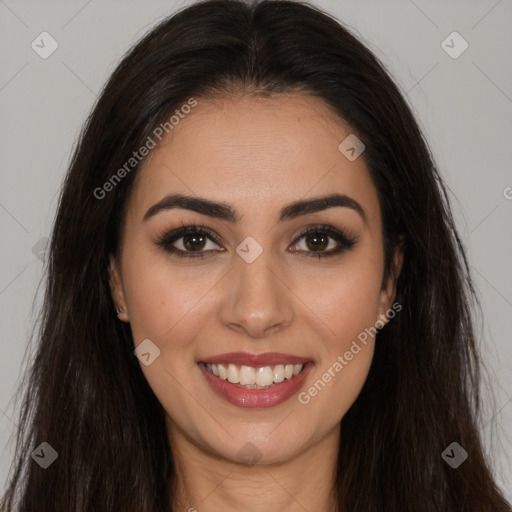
86 394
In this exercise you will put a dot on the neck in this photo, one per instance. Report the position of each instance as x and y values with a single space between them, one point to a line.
206 482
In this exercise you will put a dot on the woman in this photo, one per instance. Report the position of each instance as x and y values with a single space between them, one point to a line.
257 299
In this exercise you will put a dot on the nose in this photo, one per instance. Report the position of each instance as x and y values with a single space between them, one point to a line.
257 300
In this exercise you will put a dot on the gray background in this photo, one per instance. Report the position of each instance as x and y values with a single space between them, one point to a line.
464 106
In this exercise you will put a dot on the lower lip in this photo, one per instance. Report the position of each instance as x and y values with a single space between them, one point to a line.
268 397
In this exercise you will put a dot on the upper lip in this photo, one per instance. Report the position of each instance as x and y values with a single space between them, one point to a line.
248 359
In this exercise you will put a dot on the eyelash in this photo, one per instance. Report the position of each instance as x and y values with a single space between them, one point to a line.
165 241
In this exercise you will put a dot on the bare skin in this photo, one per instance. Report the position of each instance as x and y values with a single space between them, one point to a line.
257 155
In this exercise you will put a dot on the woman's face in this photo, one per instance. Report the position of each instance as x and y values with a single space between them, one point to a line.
253 300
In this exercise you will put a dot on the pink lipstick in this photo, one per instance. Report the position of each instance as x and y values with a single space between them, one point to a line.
255 380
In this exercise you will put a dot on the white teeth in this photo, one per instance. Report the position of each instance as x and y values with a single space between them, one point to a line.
233 374
264 376
223 373
254 377
279 373
247 375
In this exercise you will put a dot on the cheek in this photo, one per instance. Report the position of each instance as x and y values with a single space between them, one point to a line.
346 350
336 385
346 299
347 302
169 306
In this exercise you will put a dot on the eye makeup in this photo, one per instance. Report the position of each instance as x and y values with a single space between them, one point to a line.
196 236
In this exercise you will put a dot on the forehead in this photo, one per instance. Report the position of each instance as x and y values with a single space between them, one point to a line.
254 152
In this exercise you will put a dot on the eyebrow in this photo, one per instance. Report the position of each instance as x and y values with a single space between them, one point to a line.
224 211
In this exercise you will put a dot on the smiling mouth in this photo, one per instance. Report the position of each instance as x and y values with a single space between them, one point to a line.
249 377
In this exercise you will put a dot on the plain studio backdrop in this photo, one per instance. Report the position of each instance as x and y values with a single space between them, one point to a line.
452 60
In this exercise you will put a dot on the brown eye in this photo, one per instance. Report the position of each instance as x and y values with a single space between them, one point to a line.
317 241
324 241
190 241
194 242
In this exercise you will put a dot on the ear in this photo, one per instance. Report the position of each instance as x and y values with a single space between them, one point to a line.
388 291
116 289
